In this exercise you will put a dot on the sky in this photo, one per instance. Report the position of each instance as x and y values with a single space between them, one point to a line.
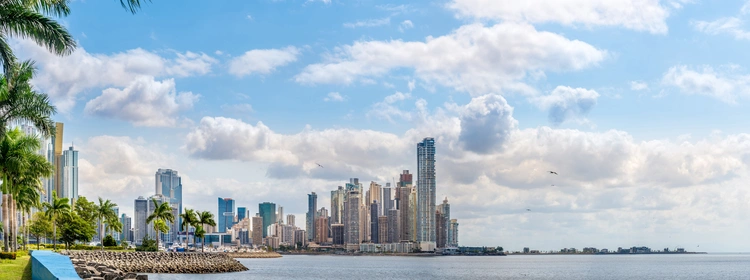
640 106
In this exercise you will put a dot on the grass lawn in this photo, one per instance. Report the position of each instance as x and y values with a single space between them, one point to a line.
20 268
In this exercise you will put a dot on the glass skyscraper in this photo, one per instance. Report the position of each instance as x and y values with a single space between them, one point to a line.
312 205
267 211
70 175
226 214
241 213
426 190
169 184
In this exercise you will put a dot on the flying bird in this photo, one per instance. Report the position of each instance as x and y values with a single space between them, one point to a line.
527 209
552 172
319 165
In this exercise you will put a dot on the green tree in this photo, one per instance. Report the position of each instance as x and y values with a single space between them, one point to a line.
40 226
205 218
109 241
86 209
147 245
189 218
73 228
59 208
105 212
199 233
162 213
28 198
27 19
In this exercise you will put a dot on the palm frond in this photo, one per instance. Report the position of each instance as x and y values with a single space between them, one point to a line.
19 21
132 5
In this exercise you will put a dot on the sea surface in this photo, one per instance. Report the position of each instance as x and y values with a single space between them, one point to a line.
704 266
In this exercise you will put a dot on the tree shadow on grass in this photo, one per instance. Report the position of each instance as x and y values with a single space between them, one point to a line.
27 271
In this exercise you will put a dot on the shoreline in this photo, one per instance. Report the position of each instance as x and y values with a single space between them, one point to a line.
158 262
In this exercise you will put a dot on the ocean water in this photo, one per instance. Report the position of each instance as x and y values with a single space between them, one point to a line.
706 266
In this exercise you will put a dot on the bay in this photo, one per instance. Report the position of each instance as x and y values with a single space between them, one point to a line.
704 266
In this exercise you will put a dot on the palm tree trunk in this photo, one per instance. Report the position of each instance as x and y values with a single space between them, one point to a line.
54 235
13 219
101 232
23 228
6 225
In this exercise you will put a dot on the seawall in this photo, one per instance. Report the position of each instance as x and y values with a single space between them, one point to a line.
47 265
160 262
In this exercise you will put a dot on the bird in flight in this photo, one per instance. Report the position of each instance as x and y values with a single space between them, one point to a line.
319 165
552 172
527 209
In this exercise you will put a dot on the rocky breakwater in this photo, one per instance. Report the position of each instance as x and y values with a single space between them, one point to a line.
160 262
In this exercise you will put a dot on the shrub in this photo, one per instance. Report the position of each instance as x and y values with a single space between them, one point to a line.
7 256
109 241
148 245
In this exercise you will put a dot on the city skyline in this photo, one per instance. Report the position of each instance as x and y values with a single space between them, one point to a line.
637 112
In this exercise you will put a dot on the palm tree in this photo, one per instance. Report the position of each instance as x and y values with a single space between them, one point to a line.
104 212
19 101
162 213
59 207
205 218
26 19
27 199
188 219
199 233
112 224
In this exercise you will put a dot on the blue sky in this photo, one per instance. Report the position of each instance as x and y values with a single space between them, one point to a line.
640 104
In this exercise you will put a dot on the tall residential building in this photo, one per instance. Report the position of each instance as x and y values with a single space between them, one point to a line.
382 230
337 205
375 193
374 231
257 230
321 228
403 191
127 226
387 199
351 217
280 215
426 190
140 227
140 219
169 184
241 213
225 214
69 186
312 206
290 220
300 237
443 224
393 226
57 150
337 234
453 233
267 211
288 234
412 215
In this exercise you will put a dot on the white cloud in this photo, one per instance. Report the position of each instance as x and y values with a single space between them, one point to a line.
249 17
638 85
144 102
639 15
565 103
726 86
368 23
387 110
262 61
333 97
486 123
407 24
727 25
473 58
65 77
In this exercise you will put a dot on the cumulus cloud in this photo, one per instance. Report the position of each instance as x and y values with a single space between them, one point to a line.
486 123
65 77
724 85
262 61
388 110
333 97
733 26
144 102
565 103
473 58
639 15
638 85
368 23
406 24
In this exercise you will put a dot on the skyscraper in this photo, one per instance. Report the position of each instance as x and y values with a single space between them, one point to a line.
312 206
321 228
290 220
69 186
337 205
393 226
351 217
225 214
374 232
443 220
140 226
453 233
57 150
267 211
241 213
127 226
257 230
375 193
387 199
169 184
280 215
426 190
403 193
382 230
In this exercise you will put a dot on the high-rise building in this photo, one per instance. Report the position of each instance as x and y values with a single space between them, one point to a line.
169 184
375 193
426 190
70 175
241 213
257 230
300 237
337 232
225 214
321 228
280 215
127 228
443 220
393 226
387 199
140 227
375 233
351 217
312 206
337 205
453 233
267 211
57 150
403 191
412 215
382 230
288 234
290 220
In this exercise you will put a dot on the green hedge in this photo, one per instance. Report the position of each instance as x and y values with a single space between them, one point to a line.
7 256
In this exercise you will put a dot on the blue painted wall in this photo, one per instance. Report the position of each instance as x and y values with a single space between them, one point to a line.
47 265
